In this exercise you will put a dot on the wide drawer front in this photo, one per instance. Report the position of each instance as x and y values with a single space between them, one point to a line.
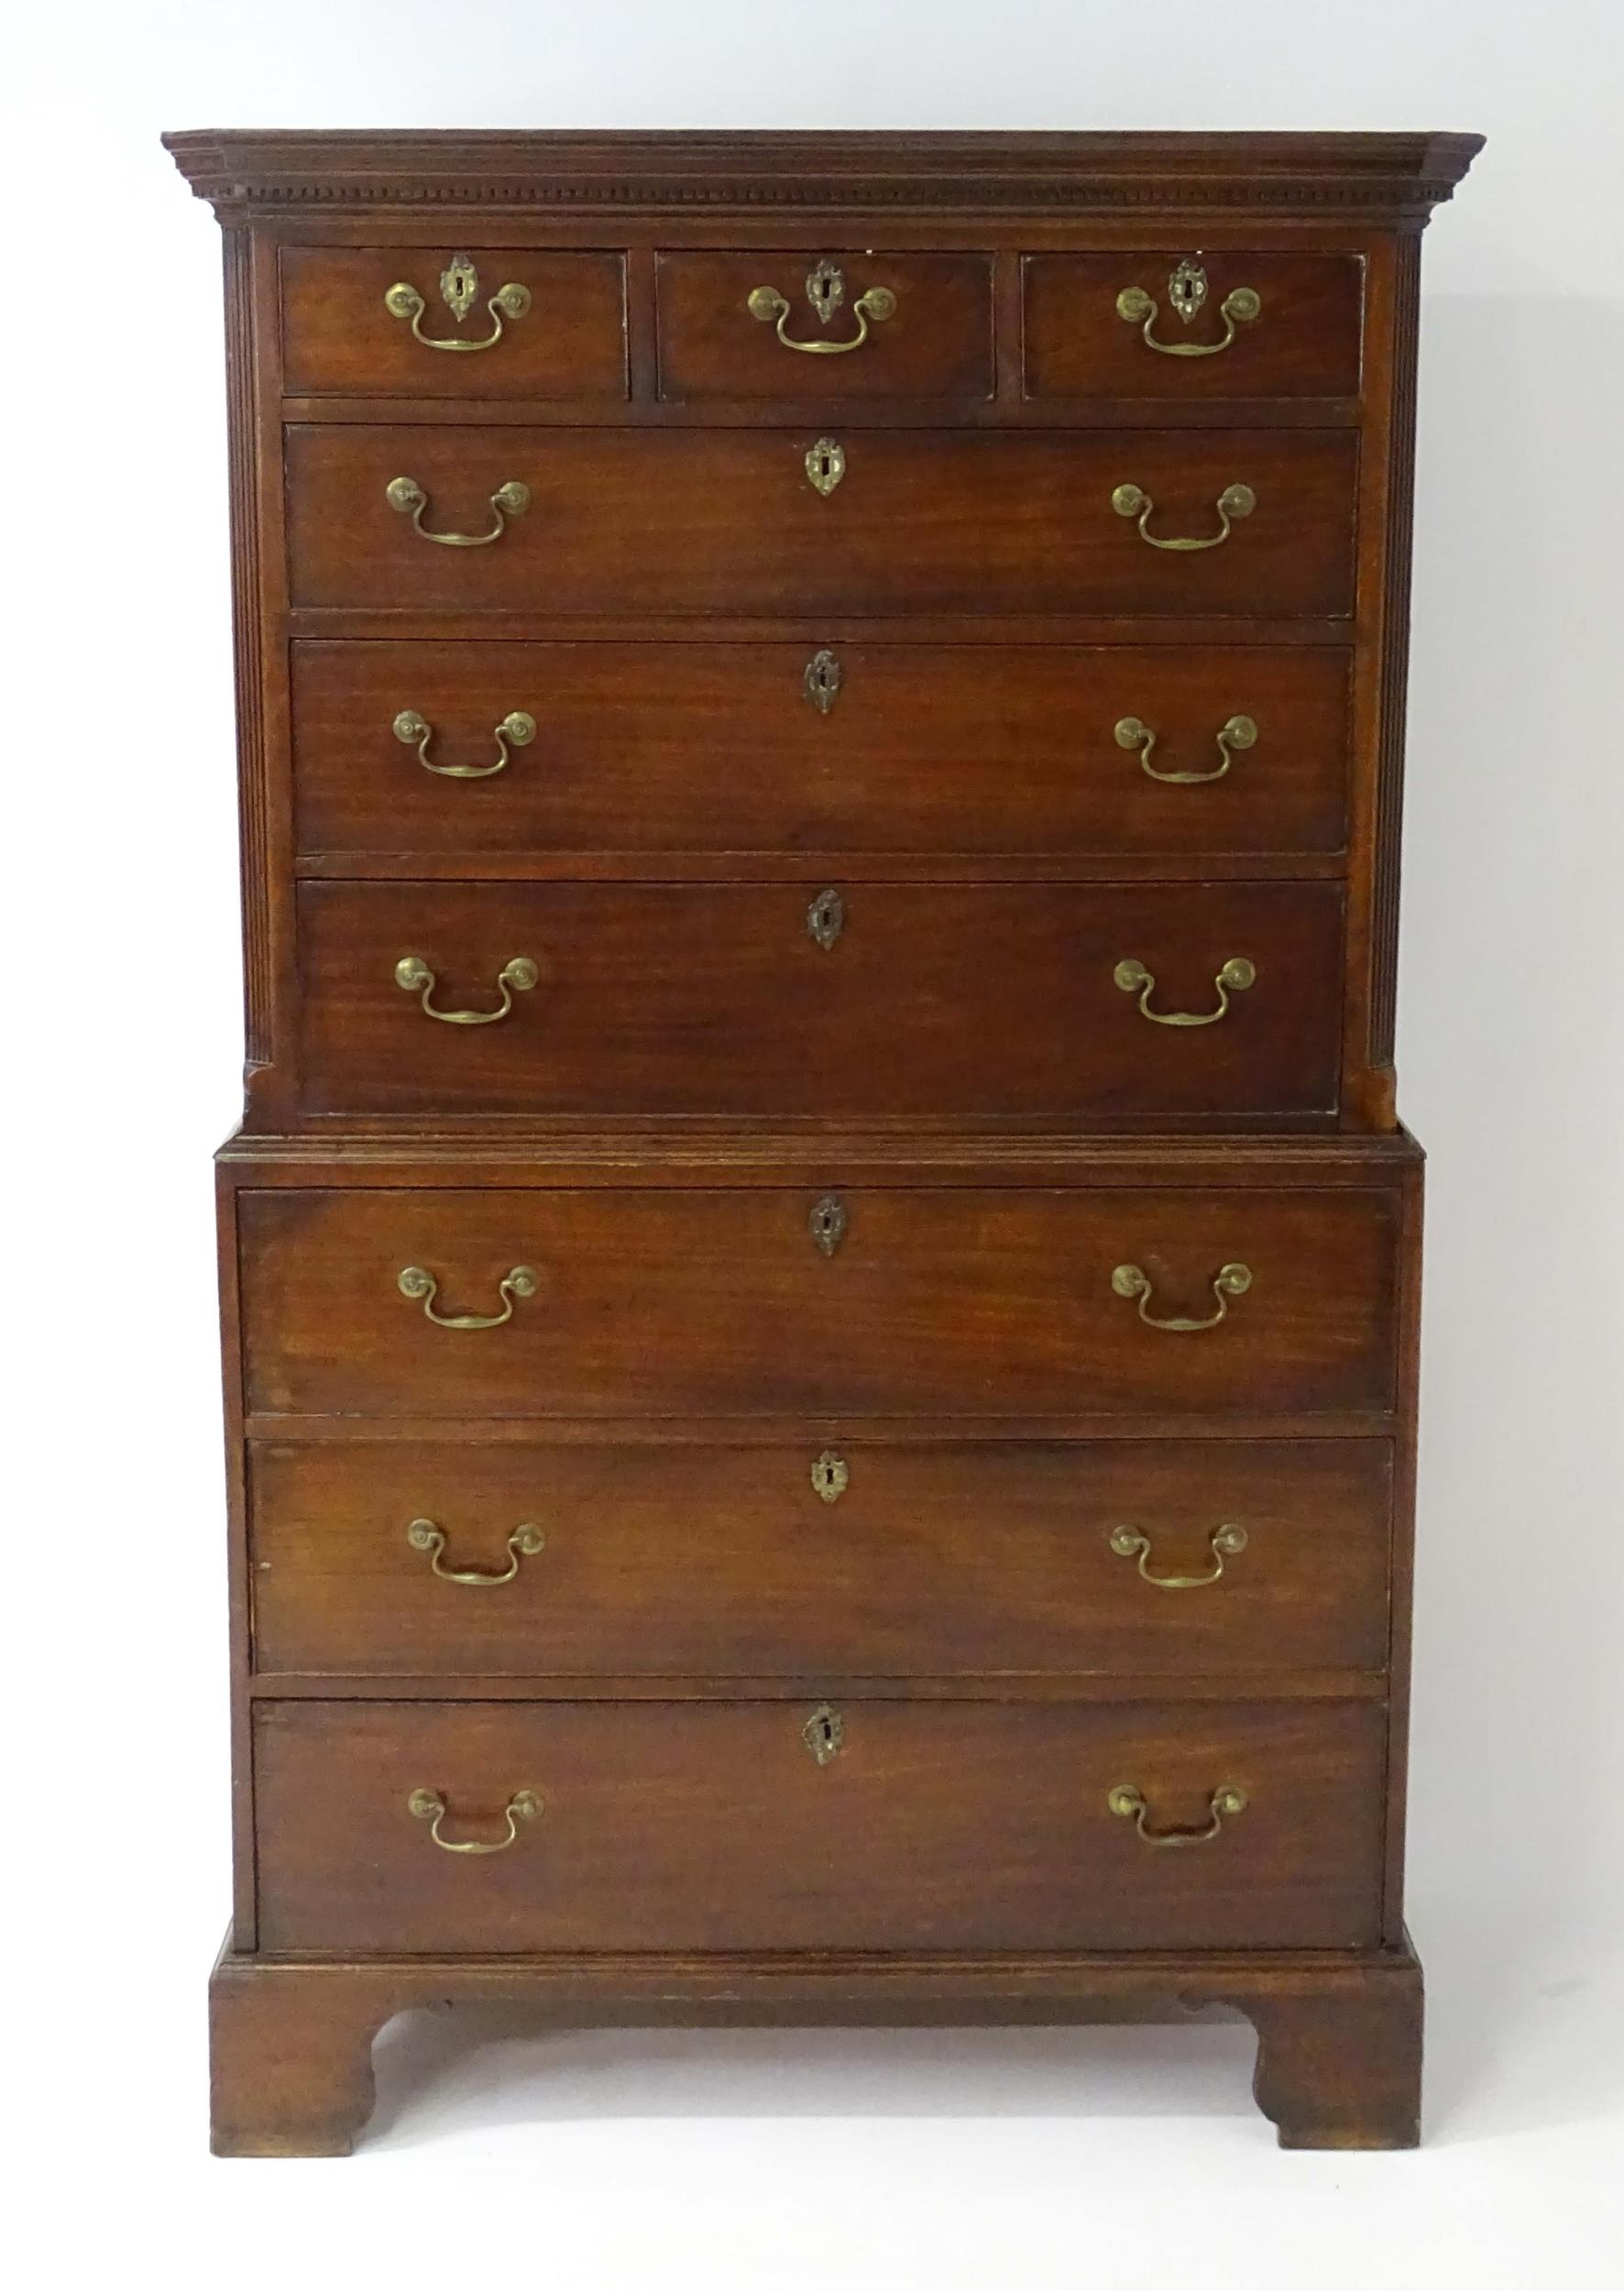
1168 324
483 322
756 1301
753 522
451 749
884 999
869 1825
854 1560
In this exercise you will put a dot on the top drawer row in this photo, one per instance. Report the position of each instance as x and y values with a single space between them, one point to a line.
853 326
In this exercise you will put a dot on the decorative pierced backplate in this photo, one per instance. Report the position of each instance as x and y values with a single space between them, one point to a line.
1187 288
831 1475
825 288
826 465
822 680
825 919
460 283
827 1224
824 1734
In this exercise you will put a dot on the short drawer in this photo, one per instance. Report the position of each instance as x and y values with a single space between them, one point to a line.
880 999
841 329
444 749
442 322
1166 323
761 1300
851 1560
708 521
798 1824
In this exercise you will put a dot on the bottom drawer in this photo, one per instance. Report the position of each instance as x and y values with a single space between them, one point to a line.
896 1824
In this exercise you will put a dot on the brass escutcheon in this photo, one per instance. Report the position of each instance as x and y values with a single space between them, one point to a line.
832 1476
825 290
1187 291
822 681
825 919
823 1733
827 1224
826 465
459 289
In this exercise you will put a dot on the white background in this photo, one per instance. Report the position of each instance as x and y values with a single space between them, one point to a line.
1125 2159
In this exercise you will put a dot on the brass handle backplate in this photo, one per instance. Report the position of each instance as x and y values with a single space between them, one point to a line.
824 466
1223 1543
1130 1802
516 731
825 290
1230 1280
459 286
1235 501
413 1281
1237 975
413 974
524 1542
1240 731
1187 291
407 497
428 1805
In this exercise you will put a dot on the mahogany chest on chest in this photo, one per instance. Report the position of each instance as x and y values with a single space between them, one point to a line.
820 1279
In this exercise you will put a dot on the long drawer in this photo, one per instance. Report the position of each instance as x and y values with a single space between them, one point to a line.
800 748
882 1301
687 521
858 1558
704 1825
883 999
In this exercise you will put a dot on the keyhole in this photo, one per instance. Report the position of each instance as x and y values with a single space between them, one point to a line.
823 1733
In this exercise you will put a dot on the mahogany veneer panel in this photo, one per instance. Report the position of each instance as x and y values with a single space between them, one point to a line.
339 335
1304 343
651 1303
935 999
719 521
714 1561
707 747
706 1825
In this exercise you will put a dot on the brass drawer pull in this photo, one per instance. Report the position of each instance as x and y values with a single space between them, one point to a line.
428 1805
1132 731
1223 1543
1187 291
515 730
459 286
824 466
413 974
822 681
1234 502
825 290
1130 1802
406 497
1230 1280
413 1282
1237 975
523 1543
